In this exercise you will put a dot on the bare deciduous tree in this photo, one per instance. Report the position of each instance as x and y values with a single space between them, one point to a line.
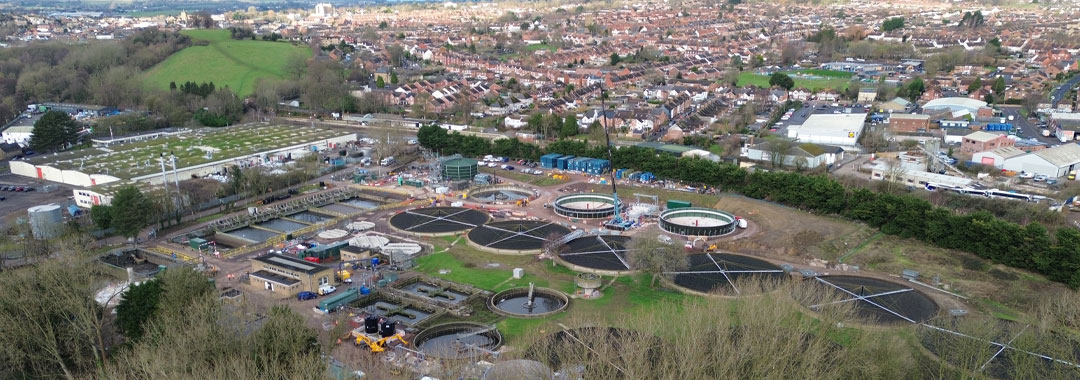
651 256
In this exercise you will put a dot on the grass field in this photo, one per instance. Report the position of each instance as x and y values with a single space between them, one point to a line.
835 79
536 47
226 62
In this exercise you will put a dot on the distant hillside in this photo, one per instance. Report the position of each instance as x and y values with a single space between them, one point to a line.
224 61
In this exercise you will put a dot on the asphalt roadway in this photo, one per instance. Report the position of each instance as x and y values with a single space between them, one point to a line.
1025 128
1060 92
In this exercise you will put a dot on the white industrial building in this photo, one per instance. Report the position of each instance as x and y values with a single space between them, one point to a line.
1052 162
18 134
996 157
956 105
841 130
883 171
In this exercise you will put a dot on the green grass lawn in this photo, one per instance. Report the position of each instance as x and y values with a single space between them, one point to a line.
226 62
827 73
747 78
541 46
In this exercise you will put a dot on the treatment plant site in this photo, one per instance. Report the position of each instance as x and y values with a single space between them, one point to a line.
436 275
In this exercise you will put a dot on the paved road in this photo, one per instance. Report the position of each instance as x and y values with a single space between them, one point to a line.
1063 89
1025 127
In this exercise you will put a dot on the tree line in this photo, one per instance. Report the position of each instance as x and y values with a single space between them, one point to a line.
99 72
1031 247
174 326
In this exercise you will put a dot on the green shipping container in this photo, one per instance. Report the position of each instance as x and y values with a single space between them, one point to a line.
332 303
671 203
196 243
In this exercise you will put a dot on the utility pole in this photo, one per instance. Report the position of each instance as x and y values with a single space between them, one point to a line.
176 177
164 178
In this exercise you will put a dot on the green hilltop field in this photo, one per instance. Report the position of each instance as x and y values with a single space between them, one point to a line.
225 61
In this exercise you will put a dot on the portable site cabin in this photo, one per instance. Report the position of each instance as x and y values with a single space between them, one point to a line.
332 303
550 160
598 166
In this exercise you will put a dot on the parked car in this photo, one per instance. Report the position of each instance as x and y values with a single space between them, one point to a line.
3 199
326 289
1040 178
1026 175
304 296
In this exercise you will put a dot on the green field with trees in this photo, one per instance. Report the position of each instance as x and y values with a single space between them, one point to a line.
216 57
833 81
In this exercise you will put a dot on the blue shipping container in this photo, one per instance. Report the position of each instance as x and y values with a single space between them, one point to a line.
581 164
549 160
564 161
999 127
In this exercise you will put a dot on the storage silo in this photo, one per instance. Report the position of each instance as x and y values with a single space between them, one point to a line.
46 221
459 169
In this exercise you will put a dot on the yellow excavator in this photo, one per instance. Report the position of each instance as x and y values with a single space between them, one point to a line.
379 345
377 334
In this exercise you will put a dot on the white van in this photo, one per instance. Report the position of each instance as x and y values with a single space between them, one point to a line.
326 289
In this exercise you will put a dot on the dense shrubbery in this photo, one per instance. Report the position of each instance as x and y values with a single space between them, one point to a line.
1027 247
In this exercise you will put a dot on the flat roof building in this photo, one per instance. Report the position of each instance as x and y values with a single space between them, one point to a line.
287 275
842 130
955 105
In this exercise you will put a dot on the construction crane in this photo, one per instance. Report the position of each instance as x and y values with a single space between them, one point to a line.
616 221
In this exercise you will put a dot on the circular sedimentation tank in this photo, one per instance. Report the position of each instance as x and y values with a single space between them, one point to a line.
604 254
516 303
458 340
723 273
459 169
515 236
497 194
878 301
438 221
585 205
963 341
697 221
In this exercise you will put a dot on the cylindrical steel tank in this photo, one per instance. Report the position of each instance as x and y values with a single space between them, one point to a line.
46 221
459 169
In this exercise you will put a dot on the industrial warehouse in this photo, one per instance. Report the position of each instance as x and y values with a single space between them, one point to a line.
180 156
